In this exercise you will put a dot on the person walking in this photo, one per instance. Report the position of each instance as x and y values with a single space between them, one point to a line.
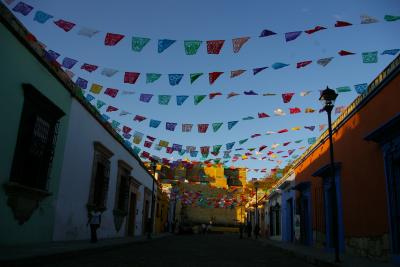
94 222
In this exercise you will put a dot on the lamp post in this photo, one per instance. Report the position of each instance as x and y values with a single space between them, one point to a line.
151 221
256 226
327 98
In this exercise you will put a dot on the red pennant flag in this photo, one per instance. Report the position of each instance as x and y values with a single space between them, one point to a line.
294 110
113 38
345 53
262 148
30 37
111 92
287 97
145 154
126 129
89 67
131 77
340 23
286 143
202 128
212 76
262 115
303 64
317 28
283 131
235 73
111 108
212 95
214 46
255 135
147 144
237 43
165 161
65 25
139 118
169 150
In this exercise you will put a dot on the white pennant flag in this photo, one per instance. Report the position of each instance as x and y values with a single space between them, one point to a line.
87 32
365 19
108 72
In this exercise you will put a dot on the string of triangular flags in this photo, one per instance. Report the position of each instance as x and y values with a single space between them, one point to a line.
201 127
166 99
174 79
191 47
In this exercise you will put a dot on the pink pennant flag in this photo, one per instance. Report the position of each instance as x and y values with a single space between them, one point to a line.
131 77
214 46
294 110
111 109
213 76
235 73
147 144
65 25
262 148
303 64
232 94
111 92
89 67
113 38
237 43
139 118
286 143
287 97
262 115
283 131
169 150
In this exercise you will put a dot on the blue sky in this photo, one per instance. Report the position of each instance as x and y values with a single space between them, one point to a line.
211 20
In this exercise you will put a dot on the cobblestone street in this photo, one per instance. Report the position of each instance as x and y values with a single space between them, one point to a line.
191 250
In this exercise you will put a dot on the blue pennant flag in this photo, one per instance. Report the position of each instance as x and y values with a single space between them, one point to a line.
154 123
231 124
361 88
42 17
180 99
164 44
230 145
175 79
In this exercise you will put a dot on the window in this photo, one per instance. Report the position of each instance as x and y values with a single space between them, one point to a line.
122 193
36 140
100 177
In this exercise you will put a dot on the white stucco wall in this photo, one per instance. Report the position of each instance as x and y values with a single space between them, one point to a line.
71 212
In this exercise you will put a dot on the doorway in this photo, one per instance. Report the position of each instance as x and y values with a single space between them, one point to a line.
132 215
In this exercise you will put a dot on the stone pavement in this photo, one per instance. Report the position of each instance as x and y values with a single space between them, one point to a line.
320 257
22 255
180 250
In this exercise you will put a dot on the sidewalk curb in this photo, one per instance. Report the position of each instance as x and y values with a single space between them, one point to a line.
61 255
306 258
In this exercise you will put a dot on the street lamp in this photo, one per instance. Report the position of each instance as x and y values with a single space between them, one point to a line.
257 226
151 222
327 98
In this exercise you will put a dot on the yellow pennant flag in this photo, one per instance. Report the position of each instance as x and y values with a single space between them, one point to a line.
96 88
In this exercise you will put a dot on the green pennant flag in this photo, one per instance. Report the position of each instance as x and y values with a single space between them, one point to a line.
343 89
194 76
298 141
138 43
216 148
199 98
164 99
99 104
191 46
370 57
182 152
152 77
217 161
216 126
391 18
243 141
136 150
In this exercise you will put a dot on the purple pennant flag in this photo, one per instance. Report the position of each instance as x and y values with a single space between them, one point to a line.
69 63
251 92
266 33
290 36
23 8
145 97
82 83
257 70
311 128
176 147
170 126
51 55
